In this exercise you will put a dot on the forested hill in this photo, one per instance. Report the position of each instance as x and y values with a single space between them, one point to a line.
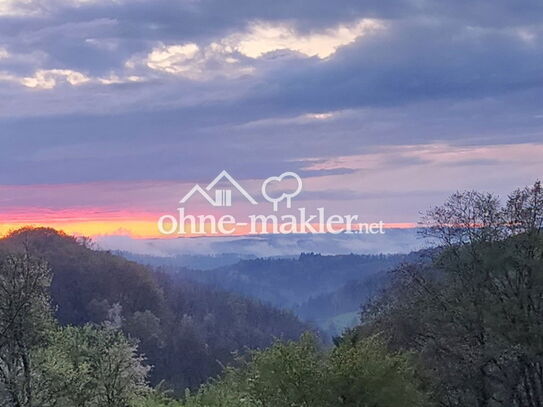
325 290
186 330
290 282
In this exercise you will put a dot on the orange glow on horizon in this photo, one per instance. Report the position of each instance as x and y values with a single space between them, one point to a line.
93 223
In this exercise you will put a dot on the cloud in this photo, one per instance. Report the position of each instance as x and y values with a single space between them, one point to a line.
407 63
284 66
255 141
16 7
48 79
192 62
20 8
374 184
262 38
170 59
234 55
433 154
114 79
259 87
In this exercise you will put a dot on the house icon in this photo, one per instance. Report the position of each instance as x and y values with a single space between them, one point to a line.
223 197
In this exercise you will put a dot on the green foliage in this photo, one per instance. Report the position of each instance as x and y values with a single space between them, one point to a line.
156 398
462 328
299 374
91 366
289 374
473 314
42 365
25 318
367 374
183 328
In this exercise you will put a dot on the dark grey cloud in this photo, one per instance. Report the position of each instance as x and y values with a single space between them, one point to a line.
196 143
62 29
409 63
464 72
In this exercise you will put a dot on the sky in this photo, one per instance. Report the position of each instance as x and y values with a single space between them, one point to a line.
111 110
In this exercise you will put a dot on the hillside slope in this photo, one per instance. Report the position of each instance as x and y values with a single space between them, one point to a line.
291 281
185 329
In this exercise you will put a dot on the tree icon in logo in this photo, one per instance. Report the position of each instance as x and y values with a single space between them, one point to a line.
274 182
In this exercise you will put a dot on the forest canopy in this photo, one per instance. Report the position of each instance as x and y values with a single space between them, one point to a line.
462 326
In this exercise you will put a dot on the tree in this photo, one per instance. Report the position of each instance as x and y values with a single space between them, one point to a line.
185 329
299 374
44 365
92 366
25 318
473 311
365 373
